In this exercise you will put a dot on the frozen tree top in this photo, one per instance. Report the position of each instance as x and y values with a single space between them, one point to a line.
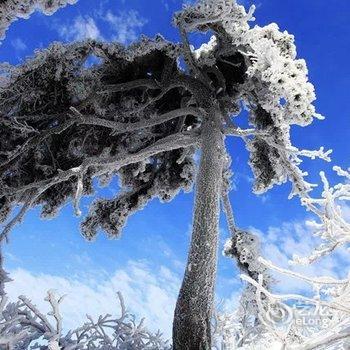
137 114
11 10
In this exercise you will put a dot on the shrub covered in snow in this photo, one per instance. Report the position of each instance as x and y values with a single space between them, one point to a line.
23 326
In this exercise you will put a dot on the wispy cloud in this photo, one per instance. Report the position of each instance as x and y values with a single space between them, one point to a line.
148 292
83 27
18 44
125 26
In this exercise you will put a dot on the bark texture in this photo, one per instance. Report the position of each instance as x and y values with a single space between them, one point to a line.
191 328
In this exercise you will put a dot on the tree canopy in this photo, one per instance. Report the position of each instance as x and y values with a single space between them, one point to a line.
137 113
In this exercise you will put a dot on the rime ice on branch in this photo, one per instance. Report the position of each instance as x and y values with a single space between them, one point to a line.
11 10
136 114
332 227
24 326
128 116
320 317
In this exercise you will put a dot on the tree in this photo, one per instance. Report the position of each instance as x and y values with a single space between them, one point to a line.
141 115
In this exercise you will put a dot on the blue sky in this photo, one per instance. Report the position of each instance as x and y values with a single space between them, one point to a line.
147 262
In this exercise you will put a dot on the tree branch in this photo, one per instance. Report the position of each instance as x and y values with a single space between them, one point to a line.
229 214
139 83
119 128
35 140
168 143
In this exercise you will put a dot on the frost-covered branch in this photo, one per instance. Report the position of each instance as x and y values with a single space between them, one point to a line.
23 326
300 322
233 330
318 320
108 164
120 128
11 10
332 226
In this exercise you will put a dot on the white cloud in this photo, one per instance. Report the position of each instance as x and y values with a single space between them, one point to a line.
125 26
264 198
82 28
230 304
148 292
188 2
18 44
345 209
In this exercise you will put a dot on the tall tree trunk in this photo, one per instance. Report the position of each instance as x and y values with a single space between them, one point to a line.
193 312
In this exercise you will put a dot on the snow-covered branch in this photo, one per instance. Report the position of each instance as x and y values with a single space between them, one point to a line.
11 10
318 319
332 226
23 326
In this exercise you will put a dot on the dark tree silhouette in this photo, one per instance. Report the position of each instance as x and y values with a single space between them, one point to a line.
140 115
